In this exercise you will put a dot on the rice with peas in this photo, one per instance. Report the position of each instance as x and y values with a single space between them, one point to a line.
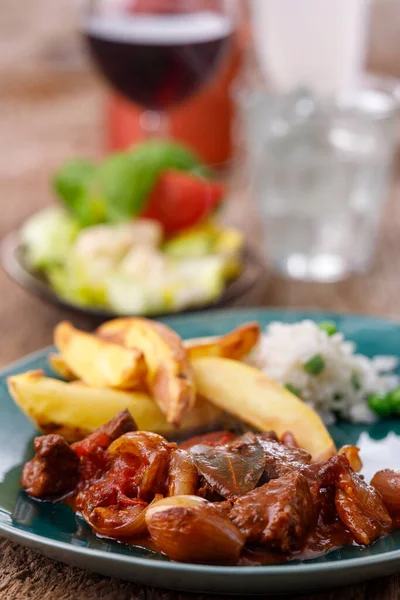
324 370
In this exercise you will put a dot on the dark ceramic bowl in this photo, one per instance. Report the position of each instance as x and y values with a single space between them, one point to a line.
12 260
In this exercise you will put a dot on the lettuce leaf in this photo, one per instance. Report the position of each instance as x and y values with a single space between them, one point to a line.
47 237
117 189
75 185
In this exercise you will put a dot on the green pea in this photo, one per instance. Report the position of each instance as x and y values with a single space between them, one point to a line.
394 399
315 365
328 326
293 389
380 404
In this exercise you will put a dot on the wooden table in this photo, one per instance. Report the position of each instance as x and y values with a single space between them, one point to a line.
51 109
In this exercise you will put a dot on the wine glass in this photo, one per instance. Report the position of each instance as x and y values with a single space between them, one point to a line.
157 53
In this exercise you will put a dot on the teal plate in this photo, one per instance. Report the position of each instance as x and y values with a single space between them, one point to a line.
55 531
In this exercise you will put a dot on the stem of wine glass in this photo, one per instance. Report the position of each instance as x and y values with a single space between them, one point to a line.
155 124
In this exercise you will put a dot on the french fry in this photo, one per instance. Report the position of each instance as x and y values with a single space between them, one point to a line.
97 362
60 367
169 373
252 397
236 344
73 409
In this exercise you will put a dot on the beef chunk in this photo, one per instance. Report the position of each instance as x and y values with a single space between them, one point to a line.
122 423
224 507
322 479
266 435
207 492
278 514
106 434
281 459
54 469
288 439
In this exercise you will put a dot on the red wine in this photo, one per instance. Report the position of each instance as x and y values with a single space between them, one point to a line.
158 60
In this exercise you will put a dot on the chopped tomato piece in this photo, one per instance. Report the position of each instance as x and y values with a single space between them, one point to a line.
180 200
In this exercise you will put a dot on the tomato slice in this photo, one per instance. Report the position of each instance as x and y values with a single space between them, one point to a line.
180 200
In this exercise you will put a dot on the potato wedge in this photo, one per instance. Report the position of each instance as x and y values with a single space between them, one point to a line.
251 396
97 362
169 373
60 367
73 409
115 330
235 344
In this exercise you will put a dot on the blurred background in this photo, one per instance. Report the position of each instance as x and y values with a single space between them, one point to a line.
54 105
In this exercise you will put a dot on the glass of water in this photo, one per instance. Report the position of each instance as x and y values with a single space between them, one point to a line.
319 169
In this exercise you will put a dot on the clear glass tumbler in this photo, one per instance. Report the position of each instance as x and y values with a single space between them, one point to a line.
319 169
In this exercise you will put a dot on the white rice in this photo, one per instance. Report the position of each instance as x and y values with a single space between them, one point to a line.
285 348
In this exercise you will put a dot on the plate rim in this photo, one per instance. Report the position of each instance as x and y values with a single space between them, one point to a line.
303 568
272 309
168 565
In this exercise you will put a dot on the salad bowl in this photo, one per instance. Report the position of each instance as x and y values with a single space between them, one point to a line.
246 288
